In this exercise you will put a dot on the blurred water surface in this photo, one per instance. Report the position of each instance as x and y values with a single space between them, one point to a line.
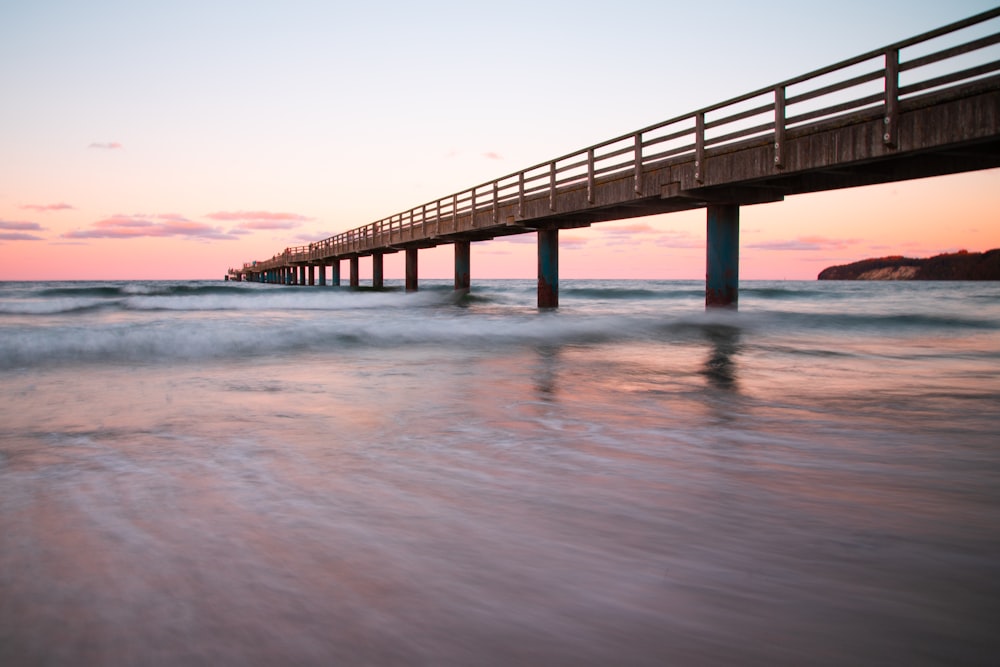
224 473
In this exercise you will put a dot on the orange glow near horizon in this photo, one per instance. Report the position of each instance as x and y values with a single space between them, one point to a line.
794 239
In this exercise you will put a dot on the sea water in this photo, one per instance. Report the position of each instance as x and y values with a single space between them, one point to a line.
210 473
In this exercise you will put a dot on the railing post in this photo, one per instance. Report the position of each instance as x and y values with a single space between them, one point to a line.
891 97
638 163
779 127
520 195
472 208
590 175
496 202
699 147
552 186
454 212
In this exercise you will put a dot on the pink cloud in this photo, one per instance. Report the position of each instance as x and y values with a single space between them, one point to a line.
805 243
268 224
256 216
636 228
490 155
138 226
257 220
106 145
20 226
44 208
18 236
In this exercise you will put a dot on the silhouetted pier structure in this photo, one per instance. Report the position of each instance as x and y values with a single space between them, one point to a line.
926 106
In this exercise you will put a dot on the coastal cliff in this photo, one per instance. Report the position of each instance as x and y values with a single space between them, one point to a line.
962 265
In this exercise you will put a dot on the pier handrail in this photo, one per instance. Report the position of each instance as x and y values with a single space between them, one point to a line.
768 112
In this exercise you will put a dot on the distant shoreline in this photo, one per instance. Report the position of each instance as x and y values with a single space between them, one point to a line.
962 265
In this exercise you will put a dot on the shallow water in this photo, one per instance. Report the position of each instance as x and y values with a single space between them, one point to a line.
221 473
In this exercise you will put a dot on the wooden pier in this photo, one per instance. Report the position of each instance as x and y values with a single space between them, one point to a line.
880 117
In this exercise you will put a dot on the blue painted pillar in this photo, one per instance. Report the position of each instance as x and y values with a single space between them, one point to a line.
354 271
322 274
411 269
462 265
548 268
302 275
377 271
335 273
722 273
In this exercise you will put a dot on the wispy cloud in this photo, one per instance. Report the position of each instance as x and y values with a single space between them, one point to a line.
637 228
15 230
233 216
805 243
45 208
309 237
256 220
106 145
490 155
20 226
138 226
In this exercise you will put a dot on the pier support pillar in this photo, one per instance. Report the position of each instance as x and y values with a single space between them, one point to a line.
411 269
722 272
311 274
462 265
322 274
335 273
548 268
377 271
302 275
354 271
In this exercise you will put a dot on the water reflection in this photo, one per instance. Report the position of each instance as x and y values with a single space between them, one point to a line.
545 372
720 365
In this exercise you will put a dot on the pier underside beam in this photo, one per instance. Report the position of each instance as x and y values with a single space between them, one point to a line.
463 280
722 271
548 268
411 269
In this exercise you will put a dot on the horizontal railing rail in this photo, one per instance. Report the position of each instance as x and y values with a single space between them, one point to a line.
863 84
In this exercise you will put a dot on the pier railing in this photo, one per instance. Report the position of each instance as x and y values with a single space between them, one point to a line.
877 82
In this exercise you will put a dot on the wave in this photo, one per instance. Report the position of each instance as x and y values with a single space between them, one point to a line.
167 339
629 293
85 300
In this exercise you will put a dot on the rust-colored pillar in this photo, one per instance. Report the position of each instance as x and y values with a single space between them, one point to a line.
722 272
377 271
548 268
312 274
411 269
354 271
462 265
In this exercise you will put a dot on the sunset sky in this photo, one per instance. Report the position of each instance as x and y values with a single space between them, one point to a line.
171 140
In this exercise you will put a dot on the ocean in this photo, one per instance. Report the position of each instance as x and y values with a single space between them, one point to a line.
212 473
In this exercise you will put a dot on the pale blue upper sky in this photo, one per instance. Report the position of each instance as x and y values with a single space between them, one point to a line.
347 112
